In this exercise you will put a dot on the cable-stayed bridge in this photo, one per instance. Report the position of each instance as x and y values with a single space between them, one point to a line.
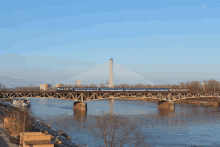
121 75
100 74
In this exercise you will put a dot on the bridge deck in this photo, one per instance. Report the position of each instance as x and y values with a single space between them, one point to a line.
96 95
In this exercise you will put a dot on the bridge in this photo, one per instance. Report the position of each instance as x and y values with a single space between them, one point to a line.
165 99
206 98
96 95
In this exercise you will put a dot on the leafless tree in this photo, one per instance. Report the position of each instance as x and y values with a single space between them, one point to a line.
187 84
204 85
213 85
195 85
92 85
181 85
116 131
17 122
102 85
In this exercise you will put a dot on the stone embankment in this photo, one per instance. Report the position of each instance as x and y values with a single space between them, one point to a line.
59 138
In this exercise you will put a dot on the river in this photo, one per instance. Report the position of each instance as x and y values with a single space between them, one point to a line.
187 125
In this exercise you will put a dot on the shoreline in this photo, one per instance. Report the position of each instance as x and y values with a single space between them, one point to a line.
58 137
45 128
5 136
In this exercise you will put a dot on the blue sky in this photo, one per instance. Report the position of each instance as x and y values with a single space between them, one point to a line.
144 36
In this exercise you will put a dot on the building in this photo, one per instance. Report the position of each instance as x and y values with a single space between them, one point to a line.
58 85
78 82
45 86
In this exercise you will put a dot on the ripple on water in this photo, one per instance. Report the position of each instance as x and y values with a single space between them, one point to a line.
186 125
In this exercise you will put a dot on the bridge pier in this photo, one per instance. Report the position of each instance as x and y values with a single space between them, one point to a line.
166 108
79 111
80 106
111 106
163 104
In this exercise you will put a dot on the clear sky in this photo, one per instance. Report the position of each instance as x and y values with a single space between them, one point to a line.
145 36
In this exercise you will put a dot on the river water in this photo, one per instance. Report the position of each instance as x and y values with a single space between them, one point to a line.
187 125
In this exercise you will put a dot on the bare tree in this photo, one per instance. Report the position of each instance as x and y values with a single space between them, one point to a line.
92 86
116 131
213 85
204 85
195 85
181 85
102 85
17 122
187 84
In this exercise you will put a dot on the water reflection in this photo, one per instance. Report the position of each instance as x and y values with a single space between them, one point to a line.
79 115
185 125
185 110
166 113
111 106
26 109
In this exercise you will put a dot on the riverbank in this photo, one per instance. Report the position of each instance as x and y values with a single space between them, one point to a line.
4 136
31 124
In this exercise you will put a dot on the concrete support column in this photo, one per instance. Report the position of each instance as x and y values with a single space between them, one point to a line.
80 106
111 106
166 108
166 105
79 111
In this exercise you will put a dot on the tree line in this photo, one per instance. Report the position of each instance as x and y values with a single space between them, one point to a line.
209 85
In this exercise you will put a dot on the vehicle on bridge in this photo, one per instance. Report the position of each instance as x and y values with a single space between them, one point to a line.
111 89
135 89
118 89
158 89
86 89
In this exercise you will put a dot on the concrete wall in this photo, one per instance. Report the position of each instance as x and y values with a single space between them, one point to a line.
44 145
35 139
80 106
